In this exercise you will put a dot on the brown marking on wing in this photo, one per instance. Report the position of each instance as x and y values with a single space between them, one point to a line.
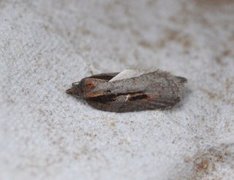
88 84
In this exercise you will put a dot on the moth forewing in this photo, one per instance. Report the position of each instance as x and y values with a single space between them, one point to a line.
131 90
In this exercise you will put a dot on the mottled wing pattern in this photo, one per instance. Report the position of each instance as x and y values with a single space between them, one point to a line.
140 102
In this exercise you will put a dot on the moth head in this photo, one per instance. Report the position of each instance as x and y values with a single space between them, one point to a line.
75 90
82 88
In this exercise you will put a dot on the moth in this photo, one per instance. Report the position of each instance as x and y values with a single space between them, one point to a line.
130 90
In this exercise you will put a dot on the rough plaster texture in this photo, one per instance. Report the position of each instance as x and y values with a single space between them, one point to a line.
47 45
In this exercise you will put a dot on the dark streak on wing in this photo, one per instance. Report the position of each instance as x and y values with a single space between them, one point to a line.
112 97
104 76
137 97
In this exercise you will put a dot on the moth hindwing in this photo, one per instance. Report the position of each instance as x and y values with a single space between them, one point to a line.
136 92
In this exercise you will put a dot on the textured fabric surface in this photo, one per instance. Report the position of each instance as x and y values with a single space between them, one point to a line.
47 45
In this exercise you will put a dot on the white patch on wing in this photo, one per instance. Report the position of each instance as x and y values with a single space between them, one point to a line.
126 74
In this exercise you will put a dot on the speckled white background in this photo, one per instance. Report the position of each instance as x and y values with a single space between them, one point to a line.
47 45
